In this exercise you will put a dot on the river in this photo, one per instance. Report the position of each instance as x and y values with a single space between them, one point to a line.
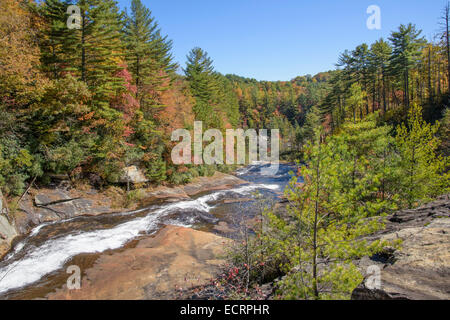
36 264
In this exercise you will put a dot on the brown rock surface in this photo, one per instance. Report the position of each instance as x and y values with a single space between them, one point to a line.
7 228
163 193
218 181
57 204
47 205
175 257
420 269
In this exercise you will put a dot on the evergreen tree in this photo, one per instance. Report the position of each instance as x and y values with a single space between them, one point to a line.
424 173
97 50
203 83
148 54
323 232
56 37
313 121
407 44
361 66
105 52
380 53
229 101
200 74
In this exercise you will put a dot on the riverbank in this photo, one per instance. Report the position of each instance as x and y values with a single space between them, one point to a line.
152 254
40 206
179 263
38 261
418 269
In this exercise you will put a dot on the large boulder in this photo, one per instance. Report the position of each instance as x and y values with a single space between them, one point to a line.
7 229
56 204
48 198
133 175
420 269
7 234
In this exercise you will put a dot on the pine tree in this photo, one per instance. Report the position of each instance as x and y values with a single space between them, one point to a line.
200 74
361 68
366 150
323 232
356 100
97 50
56 37
407 44
105 51
424 173
229 102
334 101
380 53
313 121
148 54
203 83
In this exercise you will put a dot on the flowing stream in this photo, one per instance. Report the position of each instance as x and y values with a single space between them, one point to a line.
36 263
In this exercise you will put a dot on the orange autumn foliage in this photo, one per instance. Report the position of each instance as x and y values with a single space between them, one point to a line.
177 112
19 53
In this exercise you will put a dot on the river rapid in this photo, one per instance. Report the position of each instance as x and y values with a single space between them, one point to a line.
37 262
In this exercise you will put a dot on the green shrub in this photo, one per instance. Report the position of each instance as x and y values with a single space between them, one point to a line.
16 166
178 178
133 197
193 172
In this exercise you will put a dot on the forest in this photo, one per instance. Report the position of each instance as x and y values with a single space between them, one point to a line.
88 102
372 135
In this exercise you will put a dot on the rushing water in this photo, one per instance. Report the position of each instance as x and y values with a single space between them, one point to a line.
41 257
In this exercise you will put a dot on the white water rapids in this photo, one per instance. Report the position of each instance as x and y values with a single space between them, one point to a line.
52 254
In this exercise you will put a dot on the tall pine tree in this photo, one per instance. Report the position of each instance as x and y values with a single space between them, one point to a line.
148 54
203 83
407 44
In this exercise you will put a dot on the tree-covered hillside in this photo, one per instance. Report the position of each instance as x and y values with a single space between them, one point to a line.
87 97
88 100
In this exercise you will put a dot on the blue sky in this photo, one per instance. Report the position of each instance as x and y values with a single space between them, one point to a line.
280 39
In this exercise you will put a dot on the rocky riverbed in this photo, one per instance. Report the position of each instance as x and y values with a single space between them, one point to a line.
61 228
161 250
51 205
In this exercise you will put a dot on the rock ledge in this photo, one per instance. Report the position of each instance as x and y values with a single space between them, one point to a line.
420 270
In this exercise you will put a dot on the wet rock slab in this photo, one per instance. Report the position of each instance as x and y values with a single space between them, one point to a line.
219 181
175 258
54 196
56 204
